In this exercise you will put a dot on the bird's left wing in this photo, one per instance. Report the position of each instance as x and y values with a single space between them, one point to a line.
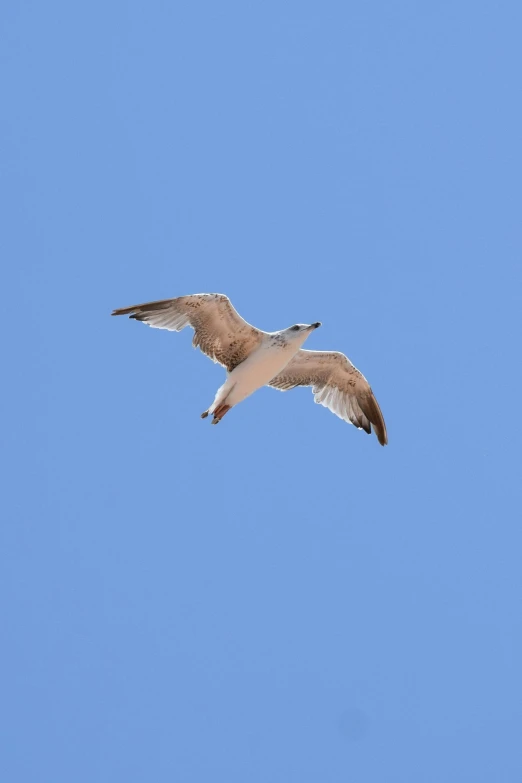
337 385
219 330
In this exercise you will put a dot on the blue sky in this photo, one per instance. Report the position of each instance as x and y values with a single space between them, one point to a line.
277 598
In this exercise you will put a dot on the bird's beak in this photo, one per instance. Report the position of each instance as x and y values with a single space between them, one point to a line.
315 326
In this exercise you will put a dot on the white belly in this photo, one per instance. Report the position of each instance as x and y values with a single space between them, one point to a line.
256 371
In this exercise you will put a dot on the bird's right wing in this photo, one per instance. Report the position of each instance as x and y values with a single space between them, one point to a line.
337 385
219 330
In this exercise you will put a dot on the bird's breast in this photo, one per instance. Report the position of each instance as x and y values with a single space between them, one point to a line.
259 368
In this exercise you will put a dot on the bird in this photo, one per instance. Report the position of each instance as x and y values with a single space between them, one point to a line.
254 358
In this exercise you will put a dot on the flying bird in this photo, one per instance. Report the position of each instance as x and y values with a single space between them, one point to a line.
254 358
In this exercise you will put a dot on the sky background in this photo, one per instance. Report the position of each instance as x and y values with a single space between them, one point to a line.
279 598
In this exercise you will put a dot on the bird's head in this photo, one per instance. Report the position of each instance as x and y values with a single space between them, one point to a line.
298 333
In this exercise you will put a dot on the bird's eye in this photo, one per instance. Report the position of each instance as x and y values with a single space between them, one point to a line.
295 328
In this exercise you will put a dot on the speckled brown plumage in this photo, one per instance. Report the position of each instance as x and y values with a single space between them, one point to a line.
221 333
219 330
337 385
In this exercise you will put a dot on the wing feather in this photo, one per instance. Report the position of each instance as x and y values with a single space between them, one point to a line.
219 330
337 385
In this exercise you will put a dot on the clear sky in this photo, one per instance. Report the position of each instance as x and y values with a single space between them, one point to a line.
279 598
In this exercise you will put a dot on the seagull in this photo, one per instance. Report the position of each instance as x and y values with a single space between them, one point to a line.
254 358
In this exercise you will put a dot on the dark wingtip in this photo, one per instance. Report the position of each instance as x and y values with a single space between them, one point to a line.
380 431
130 311
382 437
123 311
370 408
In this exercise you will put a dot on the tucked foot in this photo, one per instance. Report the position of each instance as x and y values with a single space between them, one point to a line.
204 414
220 411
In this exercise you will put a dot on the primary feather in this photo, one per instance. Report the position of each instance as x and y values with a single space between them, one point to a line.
337 385
219 330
